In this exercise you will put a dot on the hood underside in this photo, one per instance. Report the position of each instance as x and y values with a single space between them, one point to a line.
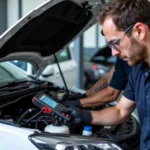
45 30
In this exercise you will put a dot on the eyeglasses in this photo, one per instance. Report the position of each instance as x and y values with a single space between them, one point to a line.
112 44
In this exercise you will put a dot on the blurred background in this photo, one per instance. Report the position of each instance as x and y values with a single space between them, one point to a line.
83 62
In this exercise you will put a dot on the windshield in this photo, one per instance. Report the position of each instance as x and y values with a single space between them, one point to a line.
10 73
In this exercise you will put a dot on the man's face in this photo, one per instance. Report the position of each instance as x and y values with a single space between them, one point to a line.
127 48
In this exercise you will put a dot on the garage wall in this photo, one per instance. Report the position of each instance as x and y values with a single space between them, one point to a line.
13 9
88 41
90 38
3 16
12 12
28 5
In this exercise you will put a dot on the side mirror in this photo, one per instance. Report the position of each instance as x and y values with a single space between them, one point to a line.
48 72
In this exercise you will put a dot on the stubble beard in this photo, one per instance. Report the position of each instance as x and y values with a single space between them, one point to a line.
137 54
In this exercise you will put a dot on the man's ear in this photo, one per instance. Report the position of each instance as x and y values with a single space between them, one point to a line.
140 30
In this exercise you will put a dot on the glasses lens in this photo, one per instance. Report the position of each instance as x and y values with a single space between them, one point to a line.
112 46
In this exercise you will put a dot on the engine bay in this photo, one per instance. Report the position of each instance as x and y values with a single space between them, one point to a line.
17 108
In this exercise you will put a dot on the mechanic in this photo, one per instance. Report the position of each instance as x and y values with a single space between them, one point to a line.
126 26
101 93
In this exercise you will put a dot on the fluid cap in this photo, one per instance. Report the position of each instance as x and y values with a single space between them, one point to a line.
87 131
88 128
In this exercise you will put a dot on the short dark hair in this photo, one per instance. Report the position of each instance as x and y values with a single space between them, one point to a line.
125 13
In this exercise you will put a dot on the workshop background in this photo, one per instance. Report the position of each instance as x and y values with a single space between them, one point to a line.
89 51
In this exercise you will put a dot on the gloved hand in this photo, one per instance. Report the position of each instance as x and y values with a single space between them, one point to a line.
73 97
72 103
79 116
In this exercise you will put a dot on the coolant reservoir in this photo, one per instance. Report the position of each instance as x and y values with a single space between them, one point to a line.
57 129
87 131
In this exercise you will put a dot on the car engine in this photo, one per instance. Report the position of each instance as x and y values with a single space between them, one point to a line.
17 108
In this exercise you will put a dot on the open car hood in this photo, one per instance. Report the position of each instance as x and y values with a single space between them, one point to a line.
46 30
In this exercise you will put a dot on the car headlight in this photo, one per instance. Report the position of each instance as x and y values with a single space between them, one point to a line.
47 141
90 146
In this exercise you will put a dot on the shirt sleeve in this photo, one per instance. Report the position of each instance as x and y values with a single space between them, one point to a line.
119 78
129 90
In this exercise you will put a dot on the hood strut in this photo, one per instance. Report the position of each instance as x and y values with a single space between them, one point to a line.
65 85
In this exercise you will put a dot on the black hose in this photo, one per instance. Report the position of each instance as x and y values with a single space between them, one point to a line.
26 113
31 118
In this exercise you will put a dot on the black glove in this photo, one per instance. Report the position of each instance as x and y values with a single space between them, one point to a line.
79 116
72 97
72 103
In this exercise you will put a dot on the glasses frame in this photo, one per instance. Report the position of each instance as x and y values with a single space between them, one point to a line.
113 43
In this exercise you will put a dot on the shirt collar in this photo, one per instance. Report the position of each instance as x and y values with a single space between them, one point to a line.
144 67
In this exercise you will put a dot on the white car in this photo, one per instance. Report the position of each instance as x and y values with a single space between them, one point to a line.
51 73
30 116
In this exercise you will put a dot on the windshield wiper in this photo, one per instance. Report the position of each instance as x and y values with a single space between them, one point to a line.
18 82
14 83
16 88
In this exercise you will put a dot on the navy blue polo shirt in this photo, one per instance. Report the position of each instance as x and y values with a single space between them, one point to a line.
138 90
120 76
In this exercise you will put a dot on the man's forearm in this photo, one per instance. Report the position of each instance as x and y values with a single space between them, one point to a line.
100 98
101 84
114 115
107 117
